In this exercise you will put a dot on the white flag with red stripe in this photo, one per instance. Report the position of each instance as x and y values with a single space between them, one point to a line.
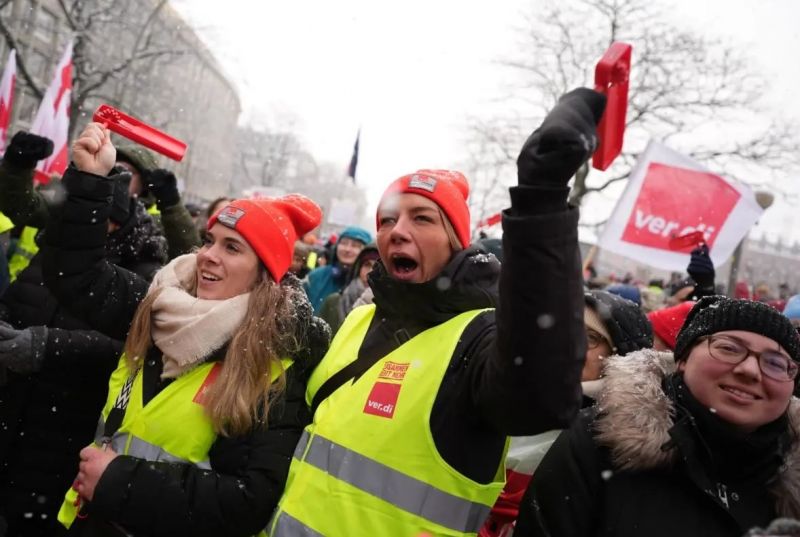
6 96
52 118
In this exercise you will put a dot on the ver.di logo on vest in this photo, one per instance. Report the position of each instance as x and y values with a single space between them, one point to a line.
382 399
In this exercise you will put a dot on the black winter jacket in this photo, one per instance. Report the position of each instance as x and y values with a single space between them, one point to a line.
48 416
629 468
516 370
248 473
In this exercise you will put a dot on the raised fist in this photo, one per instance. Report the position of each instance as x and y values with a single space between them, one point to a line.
93 151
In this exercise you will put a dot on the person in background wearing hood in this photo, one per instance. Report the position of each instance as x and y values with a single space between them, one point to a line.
332 277
614 326
207 402
414 402
699 443
336 307
158 190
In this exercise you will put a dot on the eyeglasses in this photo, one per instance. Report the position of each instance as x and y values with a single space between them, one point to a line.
594 339
772 363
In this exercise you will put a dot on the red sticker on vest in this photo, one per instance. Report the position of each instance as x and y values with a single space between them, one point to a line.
382 399
210 378
394 371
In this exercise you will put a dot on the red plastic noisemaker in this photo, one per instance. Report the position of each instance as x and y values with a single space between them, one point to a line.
140 132
689 240
611 77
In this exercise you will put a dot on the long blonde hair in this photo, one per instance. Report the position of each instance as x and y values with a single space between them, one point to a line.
244 390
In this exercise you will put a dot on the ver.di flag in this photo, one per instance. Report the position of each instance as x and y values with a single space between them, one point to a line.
670 195
52 118
7 96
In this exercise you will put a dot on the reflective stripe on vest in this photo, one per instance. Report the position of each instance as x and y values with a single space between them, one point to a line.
141 449
172 427
369 456
379 480
25 250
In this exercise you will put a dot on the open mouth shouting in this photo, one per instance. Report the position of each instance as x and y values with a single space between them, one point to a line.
403 267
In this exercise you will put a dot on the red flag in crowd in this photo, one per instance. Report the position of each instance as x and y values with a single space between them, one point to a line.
52 118
6 96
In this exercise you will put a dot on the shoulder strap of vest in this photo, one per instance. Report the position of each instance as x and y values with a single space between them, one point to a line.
352 370
117 413
356 368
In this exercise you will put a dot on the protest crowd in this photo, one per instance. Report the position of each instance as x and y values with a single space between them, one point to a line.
171 369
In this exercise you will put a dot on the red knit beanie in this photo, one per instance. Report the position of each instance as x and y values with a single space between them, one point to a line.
667 322
447 189
271 226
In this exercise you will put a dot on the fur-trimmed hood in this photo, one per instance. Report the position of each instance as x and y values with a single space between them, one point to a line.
635 416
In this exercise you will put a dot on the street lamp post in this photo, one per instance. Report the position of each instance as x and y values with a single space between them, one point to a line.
764 200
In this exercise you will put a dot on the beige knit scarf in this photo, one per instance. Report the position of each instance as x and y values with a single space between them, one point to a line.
187 329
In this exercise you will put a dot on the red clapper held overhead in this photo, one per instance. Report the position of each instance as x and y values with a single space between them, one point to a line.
140 132
688 241
611 77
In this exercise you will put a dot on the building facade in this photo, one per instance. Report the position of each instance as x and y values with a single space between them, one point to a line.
143 58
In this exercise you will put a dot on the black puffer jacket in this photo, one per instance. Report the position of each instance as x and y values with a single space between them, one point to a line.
162 499
647 465
48 416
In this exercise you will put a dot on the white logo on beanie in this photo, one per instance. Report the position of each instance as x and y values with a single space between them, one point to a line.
229 216
422 182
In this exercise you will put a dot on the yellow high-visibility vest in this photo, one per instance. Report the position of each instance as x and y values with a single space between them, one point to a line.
24 252
368 465
171 427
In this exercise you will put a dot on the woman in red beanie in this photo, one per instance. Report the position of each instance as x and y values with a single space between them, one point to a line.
206 405
415 399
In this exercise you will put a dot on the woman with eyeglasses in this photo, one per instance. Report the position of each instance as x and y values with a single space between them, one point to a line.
705 447
614 326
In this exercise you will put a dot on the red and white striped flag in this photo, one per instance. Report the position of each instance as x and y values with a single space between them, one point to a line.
52 118
6 96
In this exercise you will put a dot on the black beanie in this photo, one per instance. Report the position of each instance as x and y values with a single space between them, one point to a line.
718 313
626 323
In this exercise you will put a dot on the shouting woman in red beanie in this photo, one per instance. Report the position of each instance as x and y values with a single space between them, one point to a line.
206 405
418 393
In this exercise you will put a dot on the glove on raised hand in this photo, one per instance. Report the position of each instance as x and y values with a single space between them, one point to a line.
164 186
565 140
701 268
26 149
22 351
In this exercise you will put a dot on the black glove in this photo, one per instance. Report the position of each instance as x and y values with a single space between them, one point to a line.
701 268
564 141
22 351
164 186
26 149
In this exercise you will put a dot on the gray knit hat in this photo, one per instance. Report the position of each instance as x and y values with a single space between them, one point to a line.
718 313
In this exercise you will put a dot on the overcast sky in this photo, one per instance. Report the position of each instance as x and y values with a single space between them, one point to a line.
409 73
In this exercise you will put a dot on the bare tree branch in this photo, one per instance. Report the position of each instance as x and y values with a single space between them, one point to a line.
681 84
21 67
